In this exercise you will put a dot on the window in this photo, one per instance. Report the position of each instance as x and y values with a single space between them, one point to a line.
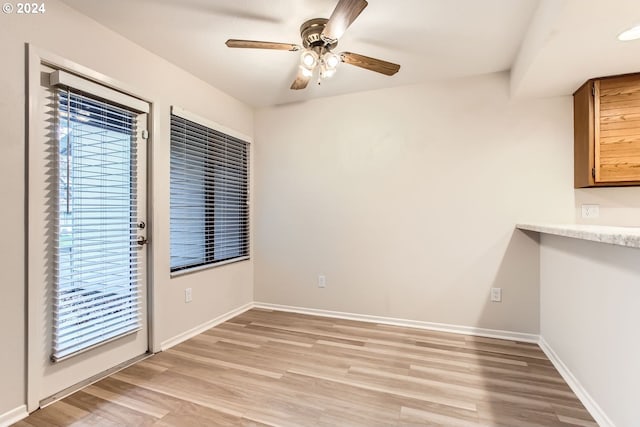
96 294
209 194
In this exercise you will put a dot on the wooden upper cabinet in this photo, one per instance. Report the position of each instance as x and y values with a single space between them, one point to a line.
607 132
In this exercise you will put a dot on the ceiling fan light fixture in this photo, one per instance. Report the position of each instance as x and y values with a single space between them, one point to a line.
319 38
309 59
632 33
306 71
331 60
328 72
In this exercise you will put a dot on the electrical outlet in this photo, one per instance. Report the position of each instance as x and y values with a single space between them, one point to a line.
322 281
590 211
496 294
188 296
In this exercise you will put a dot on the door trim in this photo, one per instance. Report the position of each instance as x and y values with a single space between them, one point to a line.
35 58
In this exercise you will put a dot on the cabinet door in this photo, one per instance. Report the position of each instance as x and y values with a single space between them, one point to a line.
617 129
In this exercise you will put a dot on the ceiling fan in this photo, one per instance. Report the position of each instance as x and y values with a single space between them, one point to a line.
319 38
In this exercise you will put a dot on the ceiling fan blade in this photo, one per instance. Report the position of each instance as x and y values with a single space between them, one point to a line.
301 81
373 64
254 44
343 15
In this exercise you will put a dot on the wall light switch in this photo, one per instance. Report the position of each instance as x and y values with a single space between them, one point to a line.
590 211
188 297
496 294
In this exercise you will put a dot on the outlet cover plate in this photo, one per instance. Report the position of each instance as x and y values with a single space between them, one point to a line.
322 281
496 294
590 211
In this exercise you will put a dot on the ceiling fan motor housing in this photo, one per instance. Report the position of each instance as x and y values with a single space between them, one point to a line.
311 32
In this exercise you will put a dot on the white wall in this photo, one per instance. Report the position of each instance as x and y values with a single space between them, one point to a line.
590 293
618 205
406 199
65 32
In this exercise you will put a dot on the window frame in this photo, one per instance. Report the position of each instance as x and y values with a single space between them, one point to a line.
201 121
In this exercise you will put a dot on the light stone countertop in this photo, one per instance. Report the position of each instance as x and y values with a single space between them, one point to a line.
622 236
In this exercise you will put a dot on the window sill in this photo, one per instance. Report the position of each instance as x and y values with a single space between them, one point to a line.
208 266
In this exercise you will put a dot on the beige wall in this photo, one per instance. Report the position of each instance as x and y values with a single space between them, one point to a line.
64 32
618 206
589 317
406 199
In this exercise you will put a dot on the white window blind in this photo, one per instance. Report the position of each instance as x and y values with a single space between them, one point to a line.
209 196
96 294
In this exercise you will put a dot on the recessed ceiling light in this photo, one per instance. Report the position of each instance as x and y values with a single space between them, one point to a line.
631 34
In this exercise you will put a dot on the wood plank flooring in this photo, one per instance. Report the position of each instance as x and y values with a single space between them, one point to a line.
268 368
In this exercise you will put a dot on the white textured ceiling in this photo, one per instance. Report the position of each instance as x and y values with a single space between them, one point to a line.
551 46
431 39
571 41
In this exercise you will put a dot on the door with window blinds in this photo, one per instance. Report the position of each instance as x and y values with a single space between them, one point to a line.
92 212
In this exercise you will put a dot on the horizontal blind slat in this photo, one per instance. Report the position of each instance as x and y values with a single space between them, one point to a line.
107 333
69 332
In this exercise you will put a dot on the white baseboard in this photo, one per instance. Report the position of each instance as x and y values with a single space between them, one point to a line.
165 345
442 327
589 403
13 416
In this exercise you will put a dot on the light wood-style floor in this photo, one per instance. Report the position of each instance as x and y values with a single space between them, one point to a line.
284 369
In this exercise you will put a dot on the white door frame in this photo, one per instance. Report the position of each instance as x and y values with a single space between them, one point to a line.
35 58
